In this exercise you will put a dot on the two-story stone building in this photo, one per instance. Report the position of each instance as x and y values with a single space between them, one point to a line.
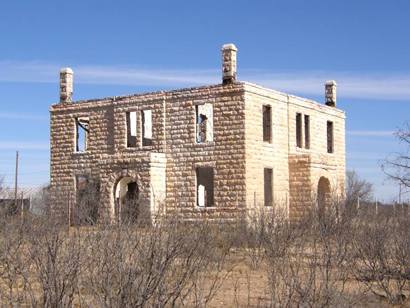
211 151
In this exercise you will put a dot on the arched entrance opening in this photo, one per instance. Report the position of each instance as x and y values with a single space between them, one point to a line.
323 194
127 201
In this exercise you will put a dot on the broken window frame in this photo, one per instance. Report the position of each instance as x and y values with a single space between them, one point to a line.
330 137
209 188
146 141
131 121
306 120
82 124
267 123
268 186
299 129
204 132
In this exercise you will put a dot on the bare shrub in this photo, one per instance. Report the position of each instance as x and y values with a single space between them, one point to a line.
382 256
157 266
307 261
14 268
85 211
55 262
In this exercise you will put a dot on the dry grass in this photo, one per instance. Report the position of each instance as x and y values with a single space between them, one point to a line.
326 260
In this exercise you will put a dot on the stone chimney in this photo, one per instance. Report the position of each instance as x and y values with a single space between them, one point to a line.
229 63
330 93
66 85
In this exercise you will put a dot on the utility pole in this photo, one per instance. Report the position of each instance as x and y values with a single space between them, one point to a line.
377 206
16 177
399 192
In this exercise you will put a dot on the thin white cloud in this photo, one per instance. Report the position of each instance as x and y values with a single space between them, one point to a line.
24 145
371 133
115 75
21 116
375 86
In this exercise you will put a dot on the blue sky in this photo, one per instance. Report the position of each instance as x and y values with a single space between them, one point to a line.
122 47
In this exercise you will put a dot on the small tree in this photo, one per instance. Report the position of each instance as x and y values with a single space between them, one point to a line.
397 165
357 189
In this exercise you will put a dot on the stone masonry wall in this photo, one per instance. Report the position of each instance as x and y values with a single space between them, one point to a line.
107 158
166 170
226 153
260 154
296 171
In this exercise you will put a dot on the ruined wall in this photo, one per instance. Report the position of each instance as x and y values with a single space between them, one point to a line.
166 170
296 170
107 157
307 165
261 154
226 153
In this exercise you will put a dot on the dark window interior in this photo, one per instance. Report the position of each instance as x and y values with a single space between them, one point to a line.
268 186
299 130
267 123
307 132
205 178
330 147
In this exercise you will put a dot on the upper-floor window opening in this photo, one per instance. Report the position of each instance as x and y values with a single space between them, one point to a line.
267 123
307 131
330 141
81 131
204 123
146 119
131 129
299 130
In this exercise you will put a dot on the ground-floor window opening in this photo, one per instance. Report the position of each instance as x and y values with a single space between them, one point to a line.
87 200
268 186
205 186
323 195
127 203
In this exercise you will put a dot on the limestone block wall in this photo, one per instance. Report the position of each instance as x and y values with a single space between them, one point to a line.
107 157
300 180
315 160
225 154
158 163
166 169
260 154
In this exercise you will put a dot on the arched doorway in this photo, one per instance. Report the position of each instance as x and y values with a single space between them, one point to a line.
323 194
127 201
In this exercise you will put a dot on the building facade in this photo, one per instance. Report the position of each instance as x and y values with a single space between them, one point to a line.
213 151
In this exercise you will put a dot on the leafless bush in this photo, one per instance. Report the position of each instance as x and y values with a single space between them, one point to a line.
55 261
158 266
14 267
307 261
382 256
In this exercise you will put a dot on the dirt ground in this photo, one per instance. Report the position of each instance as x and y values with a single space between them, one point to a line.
245 286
